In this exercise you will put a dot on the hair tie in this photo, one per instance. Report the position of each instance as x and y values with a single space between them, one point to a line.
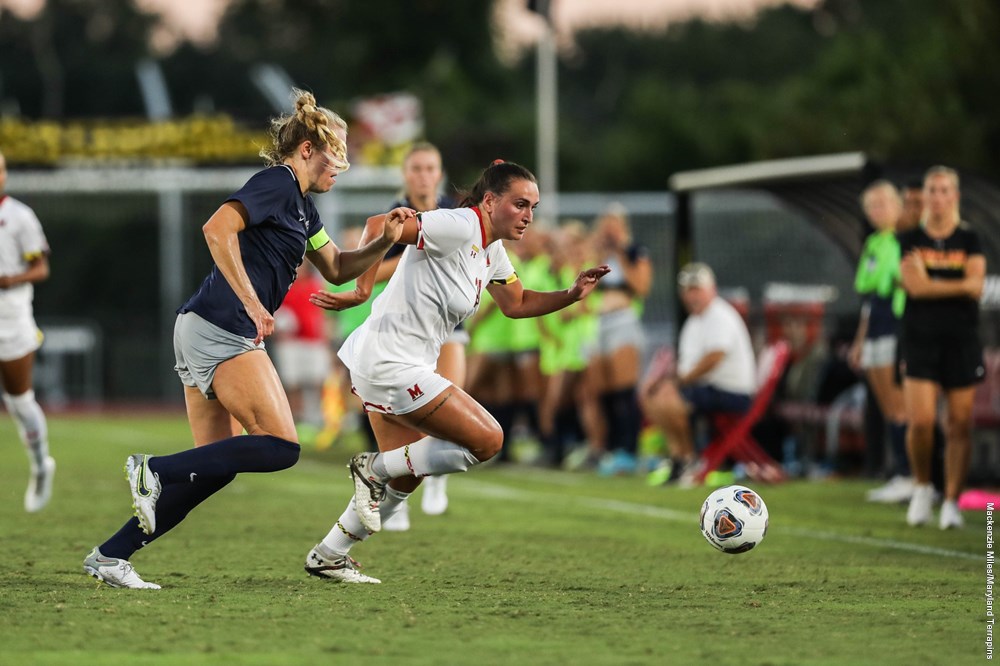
496 162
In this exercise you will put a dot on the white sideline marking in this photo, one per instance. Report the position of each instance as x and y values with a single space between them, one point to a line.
616 506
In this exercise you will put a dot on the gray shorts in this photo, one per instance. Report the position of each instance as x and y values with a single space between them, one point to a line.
617 329
200 346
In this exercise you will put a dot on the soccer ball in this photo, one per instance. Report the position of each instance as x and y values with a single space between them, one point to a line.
734 519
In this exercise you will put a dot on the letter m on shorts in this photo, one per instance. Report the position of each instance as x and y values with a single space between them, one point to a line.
415 392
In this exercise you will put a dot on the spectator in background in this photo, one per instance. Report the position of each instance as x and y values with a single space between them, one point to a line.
24 260
716 371
874 348
302 353
423 175
943 270
614 365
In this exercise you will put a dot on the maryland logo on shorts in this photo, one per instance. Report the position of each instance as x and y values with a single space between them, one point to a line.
726 525
415 392
749 499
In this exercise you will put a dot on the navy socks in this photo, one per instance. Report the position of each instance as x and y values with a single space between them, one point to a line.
190 477
235 455
172 507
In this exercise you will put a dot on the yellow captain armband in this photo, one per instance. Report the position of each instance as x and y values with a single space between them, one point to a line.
31 256
507 280
318 239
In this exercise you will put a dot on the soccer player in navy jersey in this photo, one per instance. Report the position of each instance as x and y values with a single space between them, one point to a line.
257 239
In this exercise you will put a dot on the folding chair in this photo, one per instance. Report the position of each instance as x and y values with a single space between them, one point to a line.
733 437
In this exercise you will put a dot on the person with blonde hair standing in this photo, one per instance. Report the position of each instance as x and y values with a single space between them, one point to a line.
874 348
24 260
257 239
943 272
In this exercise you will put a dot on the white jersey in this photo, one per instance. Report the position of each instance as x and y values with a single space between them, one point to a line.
21 241
719 328
436 286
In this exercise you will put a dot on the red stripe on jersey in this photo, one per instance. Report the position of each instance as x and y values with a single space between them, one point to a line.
482 227
420 231
3 197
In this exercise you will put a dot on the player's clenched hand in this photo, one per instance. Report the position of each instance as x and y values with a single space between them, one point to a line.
394 219
587 280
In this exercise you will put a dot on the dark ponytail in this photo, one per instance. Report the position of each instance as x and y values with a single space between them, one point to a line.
496 178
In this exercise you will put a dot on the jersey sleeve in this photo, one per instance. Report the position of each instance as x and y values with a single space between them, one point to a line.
503 269
315 231
264 193
972 243
30 237
444 231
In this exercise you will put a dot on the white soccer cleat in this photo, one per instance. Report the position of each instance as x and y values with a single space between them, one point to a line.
145 487
115 572
339 568
434 501
921 504
398 520
369 490
951 516
40 486
898 489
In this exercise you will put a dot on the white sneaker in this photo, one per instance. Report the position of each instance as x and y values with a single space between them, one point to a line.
898 489
343 568
434 501
398 520
369 490
145 487
40 486
950 516
115 572
919 511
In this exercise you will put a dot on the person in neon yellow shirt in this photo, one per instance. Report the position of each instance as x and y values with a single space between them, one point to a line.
874 348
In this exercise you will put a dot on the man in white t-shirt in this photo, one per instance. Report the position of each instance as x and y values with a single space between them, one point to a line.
715 373
23 261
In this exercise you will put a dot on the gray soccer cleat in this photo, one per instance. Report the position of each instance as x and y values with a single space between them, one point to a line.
145 487
340 568
369 490
115 572
40 486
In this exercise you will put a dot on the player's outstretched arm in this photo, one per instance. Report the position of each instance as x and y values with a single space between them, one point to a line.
517 302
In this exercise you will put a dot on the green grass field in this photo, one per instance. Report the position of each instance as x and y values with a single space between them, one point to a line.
527 567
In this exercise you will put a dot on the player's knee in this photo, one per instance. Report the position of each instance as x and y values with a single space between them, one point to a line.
922 427
490 445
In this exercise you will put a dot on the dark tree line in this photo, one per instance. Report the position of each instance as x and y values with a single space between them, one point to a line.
901 79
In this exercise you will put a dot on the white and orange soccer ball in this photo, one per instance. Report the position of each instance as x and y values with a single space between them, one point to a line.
734 519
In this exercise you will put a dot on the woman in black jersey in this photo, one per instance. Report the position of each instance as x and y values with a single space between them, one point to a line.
257 238
942 271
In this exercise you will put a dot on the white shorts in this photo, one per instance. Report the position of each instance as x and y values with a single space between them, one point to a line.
302 362
18 338
407 389
878 352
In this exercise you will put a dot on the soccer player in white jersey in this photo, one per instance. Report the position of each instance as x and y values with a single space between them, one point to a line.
424 424
23 261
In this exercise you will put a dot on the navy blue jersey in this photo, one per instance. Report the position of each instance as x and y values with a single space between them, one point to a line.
282 225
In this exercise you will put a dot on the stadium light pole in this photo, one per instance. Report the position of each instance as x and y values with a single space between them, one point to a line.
547 121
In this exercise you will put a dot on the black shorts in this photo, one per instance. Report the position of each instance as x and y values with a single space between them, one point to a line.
952 361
